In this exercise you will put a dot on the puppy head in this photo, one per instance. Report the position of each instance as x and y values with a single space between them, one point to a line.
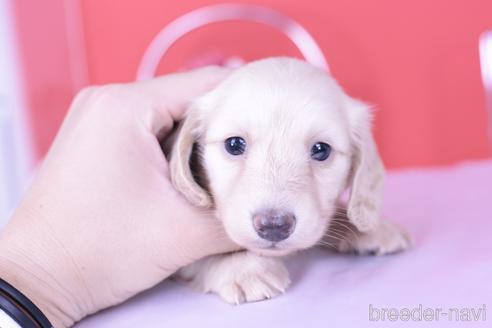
277 143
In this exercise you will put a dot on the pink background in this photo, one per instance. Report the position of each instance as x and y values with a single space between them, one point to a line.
417 61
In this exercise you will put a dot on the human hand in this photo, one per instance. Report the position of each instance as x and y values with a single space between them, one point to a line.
101 220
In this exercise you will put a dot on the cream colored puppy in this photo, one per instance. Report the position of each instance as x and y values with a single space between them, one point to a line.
271 150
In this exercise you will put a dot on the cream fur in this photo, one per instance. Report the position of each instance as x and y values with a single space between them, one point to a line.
281 107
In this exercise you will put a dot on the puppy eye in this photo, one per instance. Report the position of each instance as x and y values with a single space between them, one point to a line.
320 151
235 145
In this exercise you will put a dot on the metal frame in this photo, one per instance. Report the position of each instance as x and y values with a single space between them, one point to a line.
228 12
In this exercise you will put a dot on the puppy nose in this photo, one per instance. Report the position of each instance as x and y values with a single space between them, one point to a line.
274 225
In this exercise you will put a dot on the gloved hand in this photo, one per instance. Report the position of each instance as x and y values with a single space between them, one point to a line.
101 220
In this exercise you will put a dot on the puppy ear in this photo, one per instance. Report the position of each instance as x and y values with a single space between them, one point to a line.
367 173
182 176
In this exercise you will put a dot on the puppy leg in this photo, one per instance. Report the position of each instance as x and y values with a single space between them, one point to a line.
386 238
238 277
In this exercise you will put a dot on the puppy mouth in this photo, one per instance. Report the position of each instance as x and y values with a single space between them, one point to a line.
273 246
272 249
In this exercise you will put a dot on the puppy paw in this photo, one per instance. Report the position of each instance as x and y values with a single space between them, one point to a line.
386 238
240 277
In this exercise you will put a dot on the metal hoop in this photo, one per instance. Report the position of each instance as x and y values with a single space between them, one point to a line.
227 12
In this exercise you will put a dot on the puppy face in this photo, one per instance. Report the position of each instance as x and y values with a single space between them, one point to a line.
278 142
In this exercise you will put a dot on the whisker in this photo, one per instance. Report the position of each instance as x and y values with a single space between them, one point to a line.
324 243
344 227
338 233
347 229
341 239
336 238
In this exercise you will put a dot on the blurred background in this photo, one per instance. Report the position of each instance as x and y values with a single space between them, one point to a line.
425 65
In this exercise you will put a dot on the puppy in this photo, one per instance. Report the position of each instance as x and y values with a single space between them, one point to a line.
271 150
